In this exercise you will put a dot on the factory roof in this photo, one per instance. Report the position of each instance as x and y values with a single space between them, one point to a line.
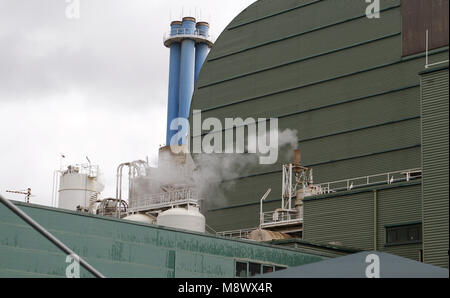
356 265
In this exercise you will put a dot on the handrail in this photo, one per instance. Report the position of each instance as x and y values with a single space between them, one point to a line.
41 230
276 217
388 178
198 34
164 198
240 234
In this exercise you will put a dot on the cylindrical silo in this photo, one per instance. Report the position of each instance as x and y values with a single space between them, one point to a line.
202 48
78 188
174 81
187 71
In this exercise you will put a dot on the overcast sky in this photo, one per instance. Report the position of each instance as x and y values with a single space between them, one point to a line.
94 86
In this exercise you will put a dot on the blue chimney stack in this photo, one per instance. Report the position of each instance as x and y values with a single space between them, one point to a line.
189 44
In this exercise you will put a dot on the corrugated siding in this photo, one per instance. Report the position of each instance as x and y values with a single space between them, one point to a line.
399 206
119 248
346 220
349 219
435 138
339 80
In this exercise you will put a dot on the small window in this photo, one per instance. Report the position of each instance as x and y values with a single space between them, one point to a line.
241 269
278 268
414 234
404 234
254 269
267 269
247 269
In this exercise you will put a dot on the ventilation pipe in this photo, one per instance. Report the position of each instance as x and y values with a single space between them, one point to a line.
201 49
174 81
189 44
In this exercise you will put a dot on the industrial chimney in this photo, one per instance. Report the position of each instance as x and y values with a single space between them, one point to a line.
189 44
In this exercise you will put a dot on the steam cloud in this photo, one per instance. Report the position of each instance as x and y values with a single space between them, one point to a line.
207 172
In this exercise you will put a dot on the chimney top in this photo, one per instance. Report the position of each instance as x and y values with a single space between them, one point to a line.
206 24
189 19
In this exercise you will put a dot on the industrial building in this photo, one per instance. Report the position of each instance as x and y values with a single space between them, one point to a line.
368 99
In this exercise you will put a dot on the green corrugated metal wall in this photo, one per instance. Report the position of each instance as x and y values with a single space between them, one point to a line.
119 248
340 80
398 206
349 218
435 152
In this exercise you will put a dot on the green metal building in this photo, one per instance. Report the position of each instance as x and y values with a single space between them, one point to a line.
119 248
350 86
435 188
356 91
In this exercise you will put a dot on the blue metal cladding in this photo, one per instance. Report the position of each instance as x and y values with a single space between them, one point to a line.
187 72
174 83
202 49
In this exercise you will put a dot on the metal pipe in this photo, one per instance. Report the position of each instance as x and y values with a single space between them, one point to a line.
290 187
187 73
174 82
426 49
261 210
41 230
201 49
375 219
283 187
119 186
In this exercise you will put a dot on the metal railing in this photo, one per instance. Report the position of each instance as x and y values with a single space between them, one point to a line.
162 200
91 171
279 218
237 234
386 178
188 32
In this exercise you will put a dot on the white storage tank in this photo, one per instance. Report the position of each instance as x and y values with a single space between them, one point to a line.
142 218
181 218
79 187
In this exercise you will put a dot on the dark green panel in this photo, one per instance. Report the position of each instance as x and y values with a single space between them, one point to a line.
360 82
339 80
332 117
349 218
395 207
290 23
306 72
346 220
435 154
239 217
303 46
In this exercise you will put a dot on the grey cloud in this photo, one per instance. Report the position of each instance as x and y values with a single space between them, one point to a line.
112 58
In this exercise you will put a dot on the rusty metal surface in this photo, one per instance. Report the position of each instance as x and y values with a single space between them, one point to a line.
422 15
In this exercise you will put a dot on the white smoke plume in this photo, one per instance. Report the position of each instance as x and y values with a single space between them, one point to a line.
214 169
212 175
